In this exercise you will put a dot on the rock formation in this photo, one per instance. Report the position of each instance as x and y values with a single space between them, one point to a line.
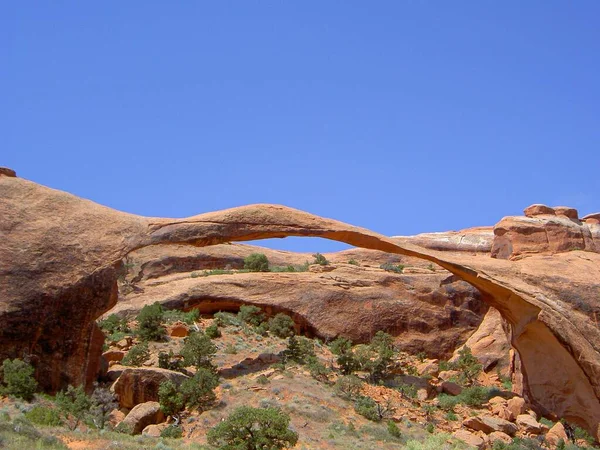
60 257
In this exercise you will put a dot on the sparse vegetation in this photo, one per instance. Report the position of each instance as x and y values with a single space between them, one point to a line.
281 325
389 267
175 315
74 405
213 331
251 315
320 259
44 415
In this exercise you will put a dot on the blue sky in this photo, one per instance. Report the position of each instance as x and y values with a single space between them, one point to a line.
400 116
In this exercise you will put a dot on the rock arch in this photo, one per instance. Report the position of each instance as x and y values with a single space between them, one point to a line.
60 257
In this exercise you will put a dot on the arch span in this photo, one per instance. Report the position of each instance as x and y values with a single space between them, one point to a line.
60 258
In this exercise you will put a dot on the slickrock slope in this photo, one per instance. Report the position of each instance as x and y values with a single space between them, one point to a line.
60 257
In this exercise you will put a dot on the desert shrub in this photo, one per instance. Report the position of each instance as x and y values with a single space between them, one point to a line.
353 262
198 351
198 391
74 405
230 349
224 319
389 267
170 399
175 315
407 390
393 429
320 259
298 349
471 396
17 379
114 324
383 346
451 416
172 432
212 331
253 429
251 314
430 427
317 369
367 407
263 379
281 325
256 262
342 348
43 415
580 433
348 386
150 320
169 361
468 366
137 355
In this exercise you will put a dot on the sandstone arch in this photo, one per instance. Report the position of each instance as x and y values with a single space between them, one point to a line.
60 257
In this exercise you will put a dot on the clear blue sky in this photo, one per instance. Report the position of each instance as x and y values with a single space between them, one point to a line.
400 116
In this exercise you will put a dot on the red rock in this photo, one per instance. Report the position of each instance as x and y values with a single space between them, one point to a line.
528 424
154 430
487 424
556 434
178 329
499 436
451 388
517 406
141 416
114 355
139 384
469 438
566 211
538 210
5 171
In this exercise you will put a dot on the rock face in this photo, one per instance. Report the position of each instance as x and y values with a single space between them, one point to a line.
488 424
544 230
489 344
138 385
61 256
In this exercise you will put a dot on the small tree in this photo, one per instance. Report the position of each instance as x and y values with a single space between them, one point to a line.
342 348
468 365
212 331
256 262
114 324
298 349
137 355
253 429
372 410
150 320
17 379
281 325
320 259
103 402
74 405
170 399
348 387
198 391
251 314
198 351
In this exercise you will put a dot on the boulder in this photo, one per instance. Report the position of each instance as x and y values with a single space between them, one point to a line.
487 424
141 416
499 436
447 374
556 434
528 424
114 355
592 218
448 387
517 406
428 367
140 384
469 438
115 417
5 171
566 211
502 411
154 430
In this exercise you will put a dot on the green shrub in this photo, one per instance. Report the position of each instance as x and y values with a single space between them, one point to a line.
251 314
17 379
298 349
393 429
253 429
103 403
472 396
150 320
389 267
137 355
169 361
367 407
74 405
198 351
175 315
408 390
224 319
348 387
430 427
114 324
580 433
281 325
198 391
353 262
171 432
263 379
230 349
42 415
468 366
317 370
170 398
256 262
320 259
342 348
212 331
